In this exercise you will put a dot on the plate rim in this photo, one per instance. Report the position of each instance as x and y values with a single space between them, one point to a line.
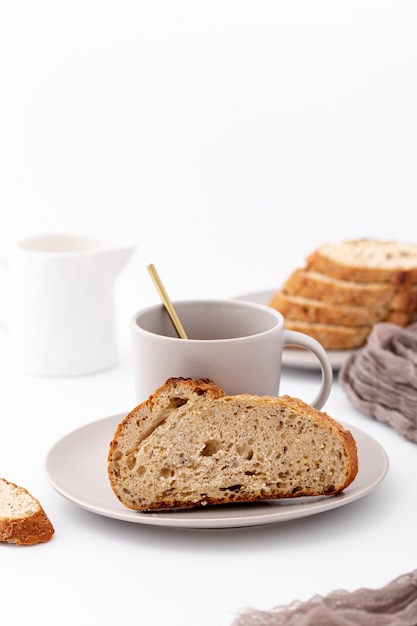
202 517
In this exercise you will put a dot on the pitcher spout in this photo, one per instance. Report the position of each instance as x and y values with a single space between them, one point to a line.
116 257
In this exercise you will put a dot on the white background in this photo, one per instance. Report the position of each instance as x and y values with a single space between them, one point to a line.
226 140
227 137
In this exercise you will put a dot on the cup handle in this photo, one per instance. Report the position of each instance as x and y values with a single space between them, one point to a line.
295 338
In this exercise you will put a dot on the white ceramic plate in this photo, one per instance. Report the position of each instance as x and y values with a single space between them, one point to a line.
299 358
76 467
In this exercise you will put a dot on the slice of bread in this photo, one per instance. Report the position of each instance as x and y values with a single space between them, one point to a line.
315 311
318 286
22 518
332 336
190 444
367 260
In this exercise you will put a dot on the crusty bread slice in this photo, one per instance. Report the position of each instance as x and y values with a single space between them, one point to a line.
332 336
317 286
22 518
189 445
315 311
367 260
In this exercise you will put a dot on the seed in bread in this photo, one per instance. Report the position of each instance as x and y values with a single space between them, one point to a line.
190 444
22 518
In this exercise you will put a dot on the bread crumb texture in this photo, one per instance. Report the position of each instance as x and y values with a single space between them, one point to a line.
22 518
189 444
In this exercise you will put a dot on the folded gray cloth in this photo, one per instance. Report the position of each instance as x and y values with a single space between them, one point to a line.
381 378
392 605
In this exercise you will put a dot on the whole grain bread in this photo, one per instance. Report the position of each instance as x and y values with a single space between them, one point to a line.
367 260
189 444
22 518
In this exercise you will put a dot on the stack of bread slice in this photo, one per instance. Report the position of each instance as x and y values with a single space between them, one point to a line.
347 287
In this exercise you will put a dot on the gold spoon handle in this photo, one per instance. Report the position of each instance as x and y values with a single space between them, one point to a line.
167 302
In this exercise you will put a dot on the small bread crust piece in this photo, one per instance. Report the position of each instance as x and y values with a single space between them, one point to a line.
190 444
22 518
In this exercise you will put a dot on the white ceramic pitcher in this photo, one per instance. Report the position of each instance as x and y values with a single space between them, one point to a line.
61 311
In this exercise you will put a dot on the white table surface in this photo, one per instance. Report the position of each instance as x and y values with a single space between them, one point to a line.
226 142
95 568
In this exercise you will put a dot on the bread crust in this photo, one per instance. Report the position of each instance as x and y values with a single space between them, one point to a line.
26 529
190 445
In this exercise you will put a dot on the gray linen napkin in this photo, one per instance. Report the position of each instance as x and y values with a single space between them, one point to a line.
381 378
392 605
